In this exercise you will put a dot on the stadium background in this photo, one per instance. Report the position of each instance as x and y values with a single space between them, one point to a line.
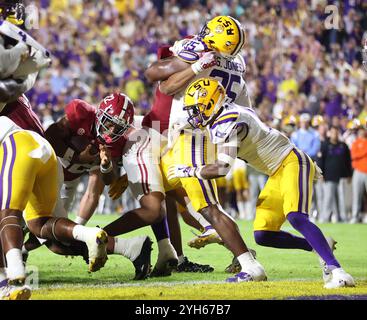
294 64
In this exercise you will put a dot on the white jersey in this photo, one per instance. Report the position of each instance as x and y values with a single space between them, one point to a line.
230 73
260 146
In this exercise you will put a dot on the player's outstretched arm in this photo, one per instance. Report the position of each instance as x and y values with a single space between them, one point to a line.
180 80
162 69
11 90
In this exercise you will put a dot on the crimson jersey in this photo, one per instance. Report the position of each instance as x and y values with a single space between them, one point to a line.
81 117
20 111
161 108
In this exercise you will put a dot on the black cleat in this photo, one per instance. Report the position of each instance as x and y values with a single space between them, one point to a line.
142 262
188 266
165 270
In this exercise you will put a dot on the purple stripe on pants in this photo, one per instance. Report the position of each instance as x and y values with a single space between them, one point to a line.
10 174
203 163
308 180
2 174
194 164
300 180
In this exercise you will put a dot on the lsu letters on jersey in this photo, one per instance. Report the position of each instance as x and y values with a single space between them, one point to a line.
291 171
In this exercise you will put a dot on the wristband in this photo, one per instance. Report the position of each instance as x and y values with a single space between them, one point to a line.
106 170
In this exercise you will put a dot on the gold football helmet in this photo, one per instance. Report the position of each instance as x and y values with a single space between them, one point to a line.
224 35
203 99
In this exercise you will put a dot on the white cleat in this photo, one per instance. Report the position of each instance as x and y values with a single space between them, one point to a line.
255 273
97 250
326 272
15 292
340 279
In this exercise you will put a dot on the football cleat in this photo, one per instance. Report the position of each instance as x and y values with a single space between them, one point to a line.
208 236
15 290
326 272
142 262
188 266
339 279
235 266
166 263
97 250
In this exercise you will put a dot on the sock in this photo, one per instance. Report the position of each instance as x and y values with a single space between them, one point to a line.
281 239
165 249
161 230
246 259
314 236
241 209
198 217
181 259
82 233
80 220
15 267
129 248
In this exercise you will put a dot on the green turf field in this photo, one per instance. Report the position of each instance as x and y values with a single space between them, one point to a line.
291 273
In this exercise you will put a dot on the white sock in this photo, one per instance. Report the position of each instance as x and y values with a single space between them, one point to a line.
2 274
80 220
15 267
246 260
242 209
129 248
202 221
181 259
166 249
82 233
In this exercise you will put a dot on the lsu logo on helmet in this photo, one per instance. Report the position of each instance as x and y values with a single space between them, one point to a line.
203 99
225 35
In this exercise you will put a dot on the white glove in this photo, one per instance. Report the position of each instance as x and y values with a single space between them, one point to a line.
10 59
34 63
192 45
208 60
180 171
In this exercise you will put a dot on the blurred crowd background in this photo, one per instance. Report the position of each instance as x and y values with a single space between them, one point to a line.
304 79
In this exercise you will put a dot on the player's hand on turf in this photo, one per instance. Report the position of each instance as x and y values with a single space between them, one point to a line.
87 155
207 61
180 171
105 155
118 187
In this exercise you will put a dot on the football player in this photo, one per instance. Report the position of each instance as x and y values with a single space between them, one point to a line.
239 133
82 120
158 120
215 52
121 142
29 183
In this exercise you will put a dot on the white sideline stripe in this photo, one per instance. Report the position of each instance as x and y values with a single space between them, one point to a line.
150 284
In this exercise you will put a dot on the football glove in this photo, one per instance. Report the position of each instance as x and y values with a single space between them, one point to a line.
208 60
188 50
181 171
118 187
